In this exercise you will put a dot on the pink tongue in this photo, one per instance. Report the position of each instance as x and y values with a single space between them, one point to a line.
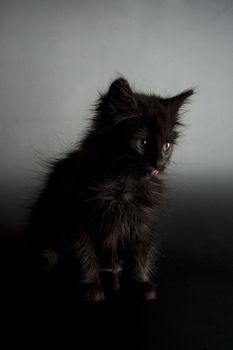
154 172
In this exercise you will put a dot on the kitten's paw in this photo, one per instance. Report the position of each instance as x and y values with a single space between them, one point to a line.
150 295
50 259
92 292
146 292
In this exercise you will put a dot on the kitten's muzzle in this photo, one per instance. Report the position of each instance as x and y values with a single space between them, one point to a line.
160 165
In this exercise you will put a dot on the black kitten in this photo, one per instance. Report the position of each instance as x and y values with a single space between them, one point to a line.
99 208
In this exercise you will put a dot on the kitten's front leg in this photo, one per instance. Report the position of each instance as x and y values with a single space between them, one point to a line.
86 262
142 271
116 278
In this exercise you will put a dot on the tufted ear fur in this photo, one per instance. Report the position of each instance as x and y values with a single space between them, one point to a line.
116 105
176 102
119 98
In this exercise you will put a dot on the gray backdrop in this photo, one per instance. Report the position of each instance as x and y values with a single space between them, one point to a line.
56 55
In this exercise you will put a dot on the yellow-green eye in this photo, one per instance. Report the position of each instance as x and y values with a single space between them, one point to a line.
166 147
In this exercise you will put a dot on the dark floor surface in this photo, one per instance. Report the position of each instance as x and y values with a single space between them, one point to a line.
194 309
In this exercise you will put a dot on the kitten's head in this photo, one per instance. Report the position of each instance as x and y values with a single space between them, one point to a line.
137 131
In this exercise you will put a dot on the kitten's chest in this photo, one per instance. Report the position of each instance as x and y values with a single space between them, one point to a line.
125 208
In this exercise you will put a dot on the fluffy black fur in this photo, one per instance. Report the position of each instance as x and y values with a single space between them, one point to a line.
100 205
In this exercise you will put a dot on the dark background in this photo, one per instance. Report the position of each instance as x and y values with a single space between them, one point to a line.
54 56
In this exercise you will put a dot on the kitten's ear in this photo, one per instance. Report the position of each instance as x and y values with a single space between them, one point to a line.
176 102
119 89
119 100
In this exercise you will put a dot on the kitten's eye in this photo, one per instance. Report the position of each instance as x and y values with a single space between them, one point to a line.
143 142
166 147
